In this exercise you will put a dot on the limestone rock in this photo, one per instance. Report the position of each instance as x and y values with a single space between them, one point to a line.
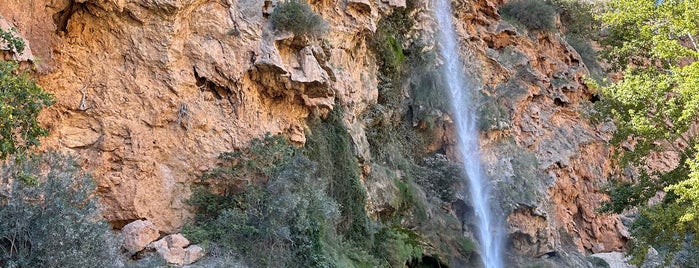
173 255
614 259
362 5
176 240
193 253
396 3
382 193
172 249
138 234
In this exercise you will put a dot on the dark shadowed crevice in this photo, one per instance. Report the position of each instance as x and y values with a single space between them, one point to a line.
426 262
62 17
560 102
205 84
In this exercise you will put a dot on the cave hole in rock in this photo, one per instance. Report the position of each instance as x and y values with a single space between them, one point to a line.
205 84
426 262
550 254
119 224
559 102
538 98
61 18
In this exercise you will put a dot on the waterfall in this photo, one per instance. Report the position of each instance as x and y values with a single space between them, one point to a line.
490 232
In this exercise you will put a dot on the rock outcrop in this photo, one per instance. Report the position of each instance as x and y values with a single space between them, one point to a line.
547 159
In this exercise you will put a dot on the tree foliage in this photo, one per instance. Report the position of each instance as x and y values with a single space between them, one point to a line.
55 222
652 44
21 100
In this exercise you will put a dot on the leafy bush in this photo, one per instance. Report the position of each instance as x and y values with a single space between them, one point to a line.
285 219
21 100
11 41
298 17
330 146
397 246
533 14
54 223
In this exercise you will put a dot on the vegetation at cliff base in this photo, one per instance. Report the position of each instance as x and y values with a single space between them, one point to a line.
268 204
48 211
53 222
652 44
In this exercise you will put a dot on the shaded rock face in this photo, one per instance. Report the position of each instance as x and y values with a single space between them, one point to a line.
150 92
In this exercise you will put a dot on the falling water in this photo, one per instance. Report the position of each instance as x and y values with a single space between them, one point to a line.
464 113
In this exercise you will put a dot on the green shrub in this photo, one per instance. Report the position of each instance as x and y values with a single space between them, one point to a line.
533 14
298 17
330 146
54 223
283 218
468 246
13 42
387 44
21 100
397 245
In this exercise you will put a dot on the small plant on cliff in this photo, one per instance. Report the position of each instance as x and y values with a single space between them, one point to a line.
533 14
54 223
298 17
21 100
11 41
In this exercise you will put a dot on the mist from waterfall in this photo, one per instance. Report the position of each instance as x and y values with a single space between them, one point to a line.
490 231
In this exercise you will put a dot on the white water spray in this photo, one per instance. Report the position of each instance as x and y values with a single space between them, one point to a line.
489 230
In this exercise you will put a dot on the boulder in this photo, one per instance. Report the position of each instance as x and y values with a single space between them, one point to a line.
172 249
138 234
193 253
176 240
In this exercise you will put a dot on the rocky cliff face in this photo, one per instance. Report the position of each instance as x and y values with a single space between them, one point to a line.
150 92
549 161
